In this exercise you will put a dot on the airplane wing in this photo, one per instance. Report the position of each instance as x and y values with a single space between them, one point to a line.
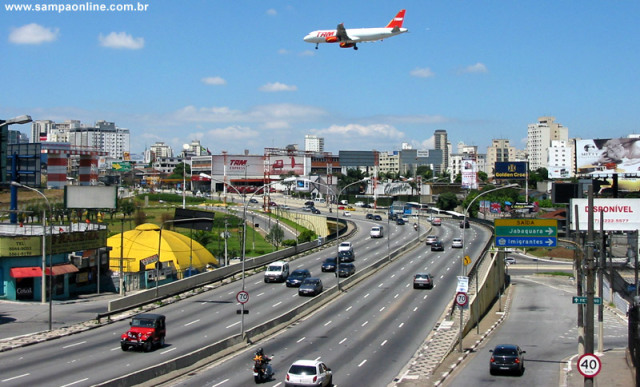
342 34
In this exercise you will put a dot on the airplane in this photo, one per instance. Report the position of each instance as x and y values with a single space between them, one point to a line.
350 37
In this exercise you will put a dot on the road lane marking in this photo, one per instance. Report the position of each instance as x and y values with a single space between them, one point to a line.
366 295
276 304
234 324
416 308
219 384
346 310
260 294
18 377
383 343
169 350
192 322
362 363
76 382
343 340
381 309
365 323
301 340
73 345
327 323
400 326
396 296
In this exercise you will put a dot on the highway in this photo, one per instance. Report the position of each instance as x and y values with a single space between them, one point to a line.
367 334
95 356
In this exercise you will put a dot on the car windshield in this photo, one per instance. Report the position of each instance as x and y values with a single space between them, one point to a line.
331 261
298 273
274 268
502 351
302 370
143 323
422 276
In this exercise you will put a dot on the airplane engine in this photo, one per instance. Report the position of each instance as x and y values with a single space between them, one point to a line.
346 45
331 39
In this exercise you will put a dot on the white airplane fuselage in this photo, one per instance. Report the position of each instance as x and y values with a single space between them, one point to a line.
356 35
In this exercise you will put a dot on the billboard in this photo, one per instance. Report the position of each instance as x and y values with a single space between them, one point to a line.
618 214
559 172
512 170
256 166
469 173
607 156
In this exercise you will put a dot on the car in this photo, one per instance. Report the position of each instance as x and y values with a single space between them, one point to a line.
430 239
346 269
345 246
423 280
369 216
311 286
277 271
377 231
464 224
377 217
297 277
329 264
346 213
309 203
456 243
510 260
253 200
437 246
349 208
346 256
315 210
307 209
285 207
366 205
273 204
400 222
308 373
507 358
147 330
358 204
436 222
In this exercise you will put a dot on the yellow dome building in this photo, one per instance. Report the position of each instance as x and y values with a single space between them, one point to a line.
142 242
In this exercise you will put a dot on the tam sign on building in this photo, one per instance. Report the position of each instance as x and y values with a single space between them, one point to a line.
618 214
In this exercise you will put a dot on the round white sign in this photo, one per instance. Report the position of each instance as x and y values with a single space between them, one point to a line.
461 299
589 365
242 297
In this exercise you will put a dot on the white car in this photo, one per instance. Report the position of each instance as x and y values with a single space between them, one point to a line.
308 373
345 246
430 239
456 243
510 260
346 213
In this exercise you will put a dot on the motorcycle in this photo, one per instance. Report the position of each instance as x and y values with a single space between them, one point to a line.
262 371
415 226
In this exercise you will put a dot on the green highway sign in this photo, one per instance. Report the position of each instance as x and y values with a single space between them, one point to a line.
544 231
583 300
526 232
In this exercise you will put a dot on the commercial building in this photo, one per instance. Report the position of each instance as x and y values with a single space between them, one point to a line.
313 144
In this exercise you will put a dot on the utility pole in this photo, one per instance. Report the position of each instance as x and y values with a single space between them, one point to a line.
589 331
601 267
579 281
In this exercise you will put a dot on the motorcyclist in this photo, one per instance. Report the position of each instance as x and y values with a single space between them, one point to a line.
262 362
415 226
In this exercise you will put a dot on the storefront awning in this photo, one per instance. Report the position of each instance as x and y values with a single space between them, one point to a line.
25 272
63 269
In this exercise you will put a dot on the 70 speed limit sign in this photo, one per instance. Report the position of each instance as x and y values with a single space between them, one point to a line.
589 365
462 299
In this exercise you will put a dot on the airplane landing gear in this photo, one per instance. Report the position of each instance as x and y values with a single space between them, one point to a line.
316 46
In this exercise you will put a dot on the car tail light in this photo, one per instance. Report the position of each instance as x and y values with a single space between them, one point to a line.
492 359
287 377
315 378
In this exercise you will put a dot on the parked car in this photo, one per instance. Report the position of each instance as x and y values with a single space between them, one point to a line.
423 280
507 357
456 243
329 264
437 246
276 272
510 260
346 269
308 373
311 286
377 217
430 239
345 246
297 277
146 332
464 224
346 256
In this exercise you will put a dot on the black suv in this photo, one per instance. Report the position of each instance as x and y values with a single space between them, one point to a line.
347 256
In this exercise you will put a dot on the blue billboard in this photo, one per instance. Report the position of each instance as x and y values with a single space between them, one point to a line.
512 170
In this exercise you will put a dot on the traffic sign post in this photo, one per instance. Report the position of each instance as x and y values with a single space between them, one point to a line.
583 300
463 284
242 297
467 260
462 299
589 365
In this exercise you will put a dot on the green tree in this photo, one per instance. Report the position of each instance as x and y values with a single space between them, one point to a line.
306 236
178 171
447 201
275 235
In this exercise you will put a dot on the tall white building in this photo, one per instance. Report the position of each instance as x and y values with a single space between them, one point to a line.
561 157
539 137
313 144
159 150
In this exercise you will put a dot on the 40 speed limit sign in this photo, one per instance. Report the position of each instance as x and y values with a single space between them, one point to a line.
589 365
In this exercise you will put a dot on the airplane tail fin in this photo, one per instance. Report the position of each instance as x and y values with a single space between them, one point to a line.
396 22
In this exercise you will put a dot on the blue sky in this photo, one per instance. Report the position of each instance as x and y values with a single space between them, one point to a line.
237 75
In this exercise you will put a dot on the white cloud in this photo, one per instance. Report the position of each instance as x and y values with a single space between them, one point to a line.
233 132
121 40
277 86
215 81
476 68
273 115
272 12
357 131
308 53
33 34
283 51
422 72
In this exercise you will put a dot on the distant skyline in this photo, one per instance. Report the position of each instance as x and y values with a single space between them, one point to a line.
237 75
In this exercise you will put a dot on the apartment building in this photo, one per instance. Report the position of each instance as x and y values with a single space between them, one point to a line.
539 137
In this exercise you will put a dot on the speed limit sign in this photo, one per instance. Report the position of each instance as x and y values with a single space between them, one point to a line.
461 299
242 297
589 365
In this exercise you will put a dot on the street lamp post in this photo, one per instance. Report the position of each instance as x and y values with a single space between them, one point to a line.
44 237
464 267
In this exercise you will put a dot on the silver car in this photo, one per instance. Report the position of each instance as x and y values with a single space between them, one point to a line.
456 243
431 238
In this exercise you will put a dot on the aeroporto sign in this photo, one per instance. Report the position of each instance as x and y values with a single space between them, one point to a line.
618 214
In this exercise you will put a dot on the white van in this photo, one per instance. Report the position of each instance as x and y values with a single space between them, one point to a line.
377 231
276 272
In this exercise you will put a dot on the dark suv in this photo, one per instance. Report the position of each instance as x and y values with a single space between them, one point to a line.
147 331
346 256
